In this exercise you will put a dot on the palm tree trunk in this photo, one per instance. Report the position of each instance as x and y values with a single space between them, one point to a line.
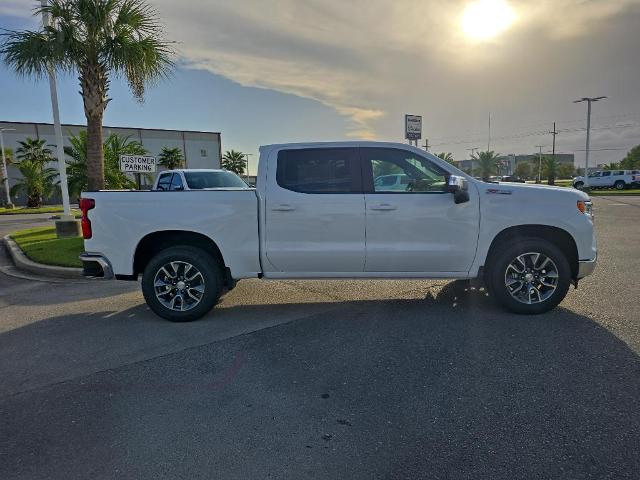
95 153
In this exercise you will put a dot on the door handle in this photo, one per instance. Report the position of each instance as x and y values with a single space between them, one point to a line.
383 206
283 207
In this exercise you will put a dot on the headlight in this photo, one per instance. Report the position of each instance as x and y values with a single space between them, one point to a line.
586 207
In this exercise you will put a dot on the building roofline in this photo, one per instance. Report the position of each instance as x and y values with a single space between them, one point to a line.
112 126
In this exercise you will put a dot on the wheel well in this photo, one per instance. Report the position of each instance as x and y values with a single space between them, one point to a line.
559 237
155 242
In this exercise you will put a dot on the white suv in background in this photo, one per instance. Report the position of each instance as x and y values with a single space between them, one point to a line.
618 179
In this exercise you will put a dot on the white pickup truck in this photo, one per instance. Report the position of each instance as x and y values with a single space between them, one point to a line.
318 212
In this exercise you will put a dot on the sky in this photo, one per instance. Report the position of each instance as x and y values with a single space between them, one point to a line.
270 71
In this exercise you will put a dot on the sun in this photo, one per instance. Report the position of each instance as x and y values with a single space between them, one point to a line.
485 19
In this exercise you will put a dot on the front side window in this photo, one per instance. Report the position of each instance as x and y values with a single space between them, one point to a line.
401 171
176 182
318 170
606 174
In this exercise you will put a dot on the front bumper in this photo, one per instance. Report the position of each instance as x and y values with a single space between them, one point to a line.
96 265
586 267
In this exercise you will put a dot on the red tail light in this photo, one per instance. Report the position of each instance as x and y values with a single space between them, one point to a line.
86 204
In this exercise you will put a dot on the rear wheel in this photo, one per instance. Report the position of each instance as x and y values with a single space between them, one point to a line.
578 185
528 275
619 185
182 284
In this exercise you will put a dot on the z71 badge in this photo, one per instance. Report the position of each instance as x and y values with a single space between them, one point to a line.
499 191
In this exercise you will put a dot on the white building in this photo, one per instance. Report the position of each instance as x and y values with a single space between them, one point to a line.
200 149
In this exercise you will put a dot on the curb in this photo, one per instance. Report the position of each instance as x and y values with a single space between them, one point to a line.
23 263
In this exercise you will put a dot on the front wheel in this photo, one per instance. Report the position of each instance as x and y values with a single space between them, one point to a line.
578 185
528 276
182 284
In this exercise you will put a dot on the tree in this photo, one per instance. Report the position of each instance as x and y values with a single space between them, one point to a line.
33 150
94 39
488 162
632 160
114 146
234 161
447 157
171 158
611 166
523 170
566 170
549 169
37 180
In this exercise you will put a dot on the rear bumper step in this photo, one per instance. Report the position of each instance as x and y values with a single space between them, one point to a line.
96 265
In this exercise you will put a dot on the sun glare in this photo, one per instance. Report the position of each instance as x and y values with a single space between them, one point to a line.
484 19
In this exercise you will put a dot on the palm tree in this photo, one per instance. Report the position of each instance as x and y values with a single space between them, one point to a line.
113 147
94 39
33 150
488 161
612 166
37 182
447 157
234 161
550 169
171 158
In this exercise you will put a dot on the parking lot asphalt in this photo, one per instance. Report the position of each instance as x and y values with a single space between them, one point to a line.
325 379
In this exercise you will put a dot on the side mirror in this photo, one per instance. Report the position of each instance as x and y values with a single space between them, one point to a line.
459 187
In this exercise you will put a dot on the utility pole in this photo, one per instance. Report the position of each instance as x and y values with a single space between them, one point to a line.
539 164
5 173
589 100
489 139
554 133
472 149
62 169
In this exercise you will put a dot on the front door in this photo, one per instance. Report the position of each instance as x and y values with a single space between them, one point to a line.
418 228
315 218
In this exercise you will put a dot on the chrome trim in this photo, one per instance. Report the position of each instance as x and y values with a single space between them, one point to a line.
586 267
101 260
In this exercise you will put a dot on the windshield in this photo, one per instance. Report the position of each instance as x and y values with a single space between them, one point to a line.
199 180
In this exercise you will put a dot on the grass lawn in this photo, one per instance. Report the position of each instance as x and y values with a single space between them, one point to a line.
41 245
45 209
630 191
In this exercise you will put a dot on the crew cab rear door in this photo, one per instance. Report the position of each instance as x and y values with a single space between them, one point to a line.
314 212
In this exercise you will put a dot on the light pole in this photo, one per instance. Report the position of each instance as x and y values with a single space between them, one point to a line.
589 100
62 169
5 173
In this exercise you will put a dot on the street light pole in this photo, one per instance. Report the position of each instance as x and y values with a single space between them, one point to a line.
5 173
247 155
62 169
589 100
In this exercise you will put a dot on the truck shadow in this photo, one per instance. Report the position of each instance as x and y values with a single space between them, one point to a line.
448 382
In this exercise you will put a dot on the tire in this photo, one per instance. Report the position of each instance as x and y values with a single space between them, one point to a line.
578 185
192 295
499 272
619 185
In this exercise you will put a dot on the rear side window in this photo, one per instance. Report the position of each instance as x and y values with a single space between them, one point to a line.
164 182
319 170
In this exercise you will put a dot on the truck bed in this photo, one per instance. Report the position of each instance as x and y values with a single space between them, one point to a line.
122 219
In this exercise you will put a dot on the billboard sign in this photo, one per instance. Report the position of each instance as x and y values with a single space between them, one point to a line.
412 127
137 163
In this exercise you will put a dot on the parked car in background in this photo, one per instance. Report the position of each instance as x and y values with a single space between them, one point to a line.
319 212
618 179
197 179
512 179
